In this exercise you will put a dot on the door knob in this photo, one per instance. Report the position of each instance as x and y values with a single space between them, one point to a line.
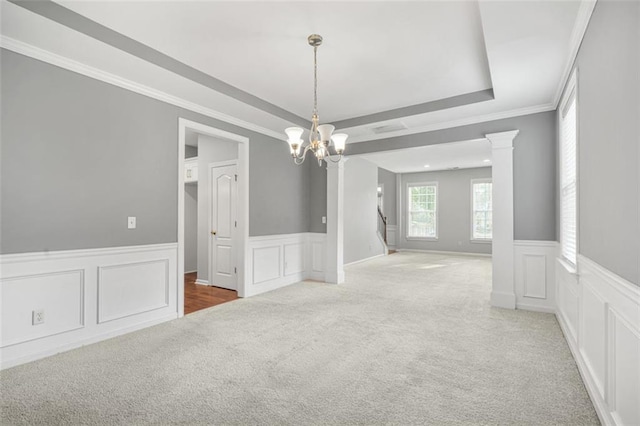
213 232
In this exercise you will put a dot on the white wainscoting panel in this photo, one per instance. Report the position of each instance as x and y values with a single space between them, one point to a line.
535 275
599 313
59 294
266 263
294 255
316 256
280 260
392 233
132 288
86 295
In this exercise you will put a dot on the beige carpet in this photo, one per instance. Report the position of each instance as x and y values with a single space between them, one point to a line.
409 339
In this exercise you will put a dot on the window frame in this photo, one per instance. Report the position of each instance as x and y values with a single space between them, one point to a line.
408 186
471 210
569 95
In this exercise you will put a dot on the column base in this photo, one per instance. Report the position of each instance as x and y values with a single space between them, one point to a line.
503 300
334 277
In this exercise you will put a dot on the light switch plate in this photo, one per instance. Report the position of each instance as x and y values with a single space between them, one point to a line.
324 219
131 222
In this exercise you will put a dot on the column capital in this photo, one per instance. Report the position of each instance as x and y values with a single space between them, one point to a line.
502 139
337 165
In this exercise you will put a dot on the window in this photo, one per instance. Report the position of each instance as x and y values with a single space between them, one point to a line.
423 211
481 210
568 183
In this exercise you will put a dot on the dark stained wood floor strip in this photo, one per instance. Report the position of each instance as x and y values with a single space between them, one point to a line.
198 296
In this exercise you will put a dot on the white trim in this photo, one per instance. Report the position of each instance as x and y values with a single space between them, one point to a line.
455 123
601 304
461 253
392 236
622 286
408 210
69 254
503 291
277 261
535 243
242 206
89 340
364 260
28 277
579 29
260 238
97 74
202 282
535 275
592 389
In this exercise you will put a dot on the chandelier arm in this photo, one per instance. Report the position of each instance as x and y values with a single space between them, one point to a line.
299 159
330 157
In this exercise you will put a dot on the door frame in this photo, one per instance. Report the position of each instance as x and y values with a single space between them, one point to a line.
242 207
234 255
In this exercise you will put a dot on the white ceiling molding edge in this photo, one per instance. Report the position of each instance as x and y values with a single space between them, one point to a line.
457 123
579 29
97 74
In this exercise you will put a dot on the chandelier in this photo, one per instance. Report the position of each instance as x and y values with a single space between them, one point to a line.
320 136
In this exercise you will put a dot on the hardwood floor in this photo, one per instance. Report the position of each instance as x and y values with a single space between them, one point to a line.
198 296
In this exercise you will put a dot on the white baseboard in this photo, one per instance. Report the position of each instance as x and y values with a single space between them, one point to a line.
599 313
277 261
459 253
34 356
86 295
365 259
202 282
190 272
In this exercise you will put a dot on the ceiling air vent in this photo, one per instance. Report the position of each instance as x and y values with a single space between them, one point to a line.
389 128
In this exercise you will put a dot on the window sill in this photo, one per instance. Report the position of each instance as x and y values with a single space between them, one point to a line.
481 241
422 238
571 269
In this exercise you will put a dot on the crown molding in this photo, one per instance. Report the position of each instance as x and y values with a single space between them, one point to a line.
43 55
579 29
456 123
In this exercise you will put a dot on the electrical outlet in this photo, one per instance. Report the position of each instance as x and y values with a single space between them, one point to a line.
131 222
324 219
38 317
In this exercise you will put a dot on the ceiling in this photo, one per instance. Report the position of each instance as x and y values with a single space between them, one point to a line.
447 156
385 68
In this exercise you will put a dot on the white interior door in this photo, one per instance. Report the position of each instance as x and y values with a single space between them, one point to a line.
222 270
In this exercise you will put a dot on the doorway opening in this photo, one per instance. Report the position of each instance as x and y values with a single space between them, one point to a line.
212 216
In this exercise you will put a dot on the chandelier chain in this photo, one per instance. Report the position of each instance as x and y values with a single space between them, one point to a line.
315 80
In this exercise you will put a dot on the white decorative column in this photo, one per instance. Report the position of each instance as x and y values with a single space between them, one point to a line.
334 266
503 292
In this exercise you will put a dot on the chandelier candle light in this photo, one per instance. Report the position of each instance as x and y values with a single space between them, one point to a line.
320 136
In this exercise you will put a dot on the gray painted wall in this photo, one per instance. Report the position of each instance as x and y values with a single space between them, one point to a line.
388 179
534 165
454 211
210 150
190 228
360 210
317 196
80 155
609 132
